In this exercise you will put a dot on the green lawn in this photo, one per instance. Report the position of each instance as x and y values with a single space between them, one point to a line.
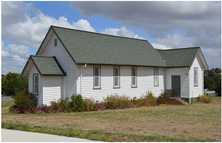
193 122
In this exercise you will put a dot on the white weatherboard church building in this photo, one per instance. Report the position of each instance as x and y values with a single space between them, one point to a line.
95 65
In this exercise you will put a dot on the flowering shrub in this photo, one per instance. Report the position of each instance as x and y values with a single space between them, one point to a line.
116 101
40 109
79 104
89 104
60 104
147 100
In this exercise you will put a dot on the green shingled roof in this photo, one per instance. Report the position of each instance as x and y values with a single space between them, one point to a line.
94 48
182 57
47 65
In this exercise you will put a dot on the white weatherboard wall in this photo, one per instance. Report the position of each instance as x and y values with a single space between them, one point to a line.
195 91
32 71
145 82
66 63
52 88
184 80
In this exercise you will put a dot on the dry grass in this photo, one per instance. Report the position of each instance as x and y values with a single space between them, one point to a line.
202 121
6 105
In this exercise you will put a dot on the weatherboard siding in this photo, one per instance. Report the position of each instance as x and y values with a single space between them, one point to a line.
32 71
145 82
68 65
184 80
195 91
52 88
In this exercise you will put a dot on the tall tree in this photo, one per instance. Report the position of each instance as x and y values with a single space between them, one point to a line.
9 82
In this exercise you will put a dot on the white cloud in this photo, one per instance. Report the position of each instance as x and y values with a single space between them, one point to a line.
213 57
14 58
5 54
159 46
121 32
31 31
20 50
83 24
176 41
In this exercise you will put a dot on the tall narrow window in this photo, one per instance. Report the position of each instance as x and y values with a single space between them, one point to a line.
133 77
116 80
195 76
55 42
156 76
35 83
96 76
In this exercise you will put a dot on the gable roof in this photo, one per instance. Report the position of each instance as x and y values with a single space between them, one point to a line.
181 57
46 65
94 48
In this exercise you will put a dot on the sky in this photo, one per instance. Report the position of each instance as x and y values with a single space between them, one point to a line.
166 25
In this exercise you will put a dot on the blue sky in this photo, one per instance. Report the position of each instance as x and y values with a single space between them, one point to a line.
164 24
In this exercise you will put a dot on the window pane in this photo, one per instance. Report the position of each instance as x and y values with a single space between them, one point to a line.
55 42
35 84
116 81
96 71
96 80
97 77
133 72
116 72
36 79
133 80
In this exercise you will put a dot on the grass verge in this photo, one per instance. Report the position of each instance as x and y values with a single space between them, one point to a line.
193 122
99 135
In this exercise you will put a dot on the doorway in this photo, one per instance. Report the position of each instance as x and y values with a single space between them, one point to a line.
175 86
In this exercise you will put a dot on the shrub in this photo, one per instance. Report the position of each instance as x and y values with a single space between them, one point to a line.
148 99
60 104
116 101
204 99
89 104
12 108
163 97
77 104
23 100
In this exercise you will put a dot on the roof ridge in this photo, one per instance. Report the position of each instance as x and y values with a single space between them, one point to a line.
177 49
41 56
98 33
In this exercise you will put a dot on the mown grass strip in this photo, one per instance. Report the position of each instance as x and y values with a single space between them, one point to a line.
98 135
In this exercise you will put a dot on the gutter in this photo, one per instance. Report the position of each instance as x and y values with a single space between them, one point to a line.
81 77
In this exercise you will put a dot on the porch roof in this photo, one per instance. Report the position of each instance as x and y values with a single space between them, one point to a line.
46 65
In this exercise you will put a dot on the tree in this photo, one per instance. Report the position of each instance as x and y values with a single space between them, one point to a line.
212 74
9 82
218 85
217 70
208 83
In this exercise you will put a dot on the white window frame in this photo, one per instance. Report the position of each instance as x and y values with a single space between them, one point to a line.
96 78
156 76
116 79
195 76
133 77
35 84
55 42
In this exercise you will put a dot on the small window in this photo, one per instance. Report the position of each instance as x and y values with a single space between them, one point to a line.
35 84
133 77
156 76
195 76
55 42
96 76
116 77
